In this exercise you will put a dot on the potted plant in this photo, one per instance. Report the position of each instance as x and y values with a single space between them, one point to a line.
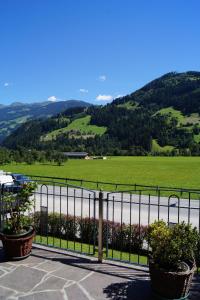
17 233
171 260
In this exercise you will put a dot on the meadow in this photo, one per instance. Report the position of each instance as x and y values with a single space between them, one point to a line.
182 172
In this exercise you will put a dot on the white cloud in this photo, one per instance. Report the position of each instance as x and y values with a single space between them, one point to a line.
52 98
102 78
104 98
83 91
6 84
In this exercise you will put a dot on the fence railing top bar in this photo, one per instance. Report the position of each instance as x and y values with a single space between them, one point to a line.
148 191
133 185
64 184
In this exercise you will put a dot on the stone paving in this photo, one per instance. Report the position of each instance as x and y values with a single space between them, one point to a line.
58 275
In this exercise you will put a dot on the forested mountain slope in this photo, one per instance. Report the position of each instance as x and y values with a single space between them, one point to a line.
163 117
12 116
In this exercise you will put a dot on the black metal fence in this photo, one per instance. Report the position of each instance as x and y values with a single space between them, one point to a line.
108 224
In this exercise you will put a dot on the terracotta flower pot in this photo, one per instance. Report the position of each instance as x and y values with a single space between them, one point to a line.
18 246
171 285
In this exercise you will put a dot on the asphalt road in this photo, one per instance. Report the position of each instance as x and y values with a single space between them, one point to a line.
118 207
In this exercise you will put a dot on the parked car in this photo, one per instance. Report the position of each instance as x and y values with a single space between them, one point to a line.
6 182
20 179
12 182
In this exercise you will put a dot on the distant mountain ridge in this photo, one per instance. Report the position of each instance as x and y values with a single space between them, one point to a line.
179 90
15 114
163 117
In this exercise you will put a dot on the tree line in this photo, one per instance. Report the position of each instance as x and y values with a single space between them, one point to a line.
22 155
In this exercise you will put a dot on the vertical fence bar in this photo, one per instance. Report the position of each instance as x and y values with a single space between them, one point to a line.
140 198
53 211
149 219
158 204
130 229
74 218
189 207
168 210
82 219
34 215
1 206
121 235
41 229
67 216
100 229
47 218
107 220
178 210
90 235
94 225
113 220
60 215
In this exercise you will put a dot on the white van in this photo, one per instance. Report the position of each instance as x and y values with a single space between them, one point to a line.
6 182
6 179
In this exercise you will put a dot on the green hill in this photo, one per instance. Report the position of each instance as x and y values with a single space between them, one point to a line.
161 117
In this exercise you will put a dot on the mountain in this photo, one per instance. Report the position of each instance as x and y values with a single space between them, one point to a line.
179 90
163 117
15 114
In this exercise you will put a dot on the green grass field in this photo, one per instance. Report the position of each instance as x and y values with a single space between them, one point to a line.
183 172
81 125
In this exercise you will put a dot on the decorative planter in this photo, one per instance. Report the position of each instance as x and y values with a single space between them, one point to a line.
171 285
18 246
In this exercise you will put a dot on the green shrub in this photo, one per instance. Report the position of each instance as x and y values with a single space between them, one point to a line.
118 237
128 237
172 245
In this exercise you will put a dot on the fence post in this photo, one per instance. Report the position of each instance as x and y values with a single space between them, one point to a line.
100 229
1 204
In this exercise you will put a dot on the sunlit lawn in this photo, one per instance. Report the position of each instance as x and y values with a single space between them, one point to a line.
181 172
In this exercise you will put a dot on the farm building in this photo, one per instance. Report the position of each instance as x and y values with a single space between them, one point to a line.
79 155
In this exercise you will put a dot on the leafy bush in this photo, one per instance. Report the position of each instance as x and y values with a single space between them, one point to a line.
88 230
172 245
128 237
14 207
124 238
57 225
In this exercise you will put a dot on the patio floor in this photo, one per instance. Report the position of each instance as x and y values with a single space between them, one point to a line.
58 275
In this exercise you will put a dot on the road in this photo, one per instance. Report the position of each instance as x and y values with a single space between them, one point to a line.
120 207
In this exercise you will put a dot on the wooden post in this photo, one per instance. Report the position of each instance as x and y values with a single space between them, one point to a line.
100 229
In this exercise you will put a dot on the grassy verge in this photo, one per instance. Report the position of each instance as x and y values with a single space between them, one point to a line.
88 249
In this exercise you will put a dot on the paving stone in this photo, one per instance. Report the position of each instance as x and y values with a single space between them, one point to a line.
5 293
51 283
71 273
29 261
22 279
102 286
106 282
52 295
75 293
49 266
43 253
6 265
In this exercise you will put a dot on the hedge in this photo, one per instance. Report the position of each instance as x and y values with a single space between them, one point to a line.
118 236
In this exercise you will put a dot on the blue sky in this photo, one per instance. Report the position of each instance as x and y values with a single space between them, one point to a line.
93 50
